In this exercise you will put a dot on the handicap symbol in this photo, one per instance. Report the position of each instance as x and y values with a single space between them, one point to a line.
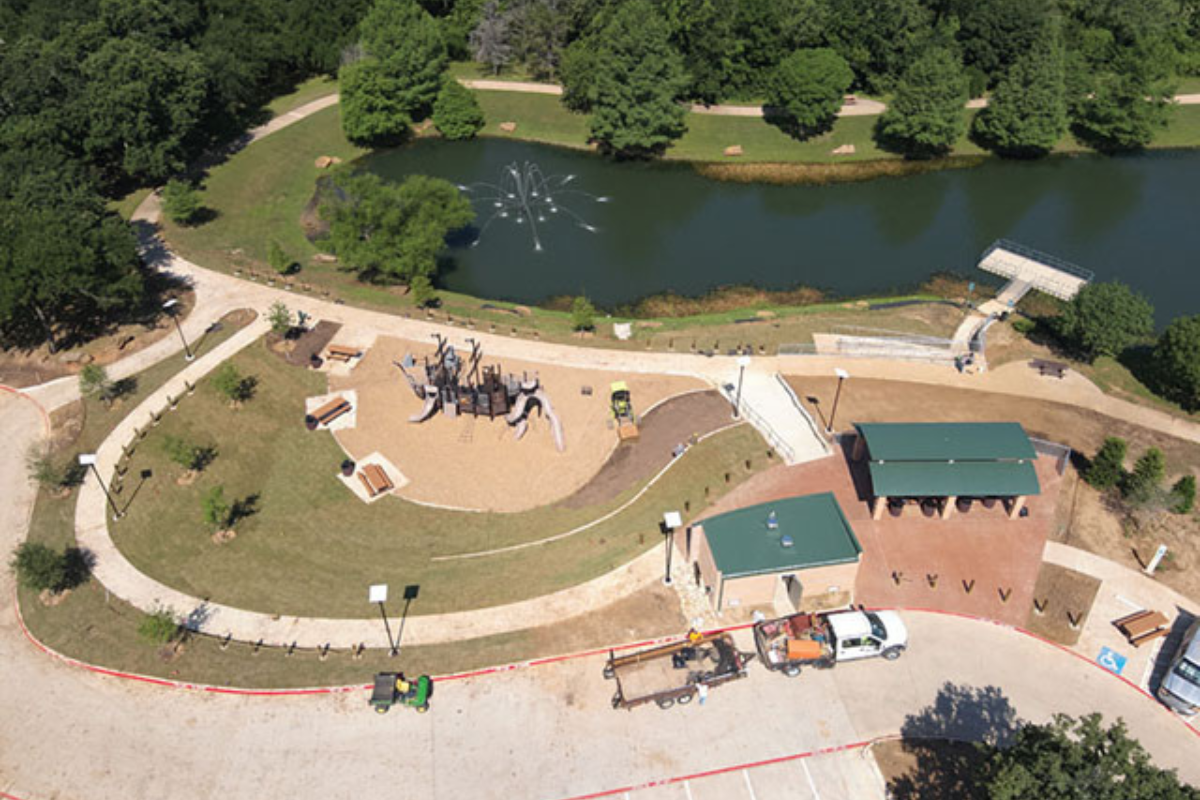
1111 660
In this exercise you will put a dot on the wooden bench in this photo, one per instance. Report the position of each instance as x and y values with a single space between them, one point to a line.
1055 369
1143 626
338 353
375 480
331 410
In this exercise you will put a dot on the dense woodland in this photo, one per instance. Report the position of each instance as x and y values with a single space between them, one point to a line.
100 96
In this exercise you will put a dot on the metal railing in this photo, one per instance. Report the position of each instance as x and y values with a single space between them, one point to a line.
760 423
816 429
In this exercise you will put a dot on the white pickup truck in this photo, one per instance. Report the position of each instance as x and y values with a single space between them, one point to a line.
823 639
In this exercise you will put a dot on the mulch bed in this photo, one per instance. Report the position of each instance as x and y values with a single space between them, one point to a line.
667 425
312 342
1063 591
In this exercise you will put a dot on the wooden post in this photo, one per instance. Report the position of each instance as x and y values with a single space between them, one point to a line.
880 503
1015 510
948 507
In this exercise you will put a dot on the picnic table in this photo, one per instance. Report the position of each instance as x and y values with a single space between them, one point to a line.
375 480
1055 369
1143 626
340 353
331 410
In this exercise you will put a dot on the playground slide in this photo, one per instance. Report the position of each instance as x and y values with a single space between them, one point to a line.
518 410
430 407
555 424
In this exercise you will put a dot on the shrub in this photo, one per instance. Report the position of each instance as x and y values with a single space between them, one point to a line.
1140 484
50 473
1183 494
279 259
583 314
1108 467
39 567
181 202
1177 362
422 291
188 455
1024 326
280 318
93 379
229 382
217 512
159 627
456 112
1104 319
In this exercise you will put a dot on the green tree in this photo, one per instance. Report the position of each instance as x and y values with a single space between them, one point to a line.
878 38
230 383
373 111
422 291
926 117
1027 114
456 112
280 318
1076 758
1183 494
159 627
93 379
38 567
1107 469
1104 319
217 512
392 232
68 265
190 456
1142 484
1177 362
1124 108
181 201
995 33
703 31
279 259
583 314
49 472
638 80
577 73
405 41
142 104
807 89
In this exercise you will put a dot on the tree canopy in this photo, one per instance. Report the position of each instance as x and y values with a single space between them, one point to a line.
456 112
1177 361
1104 319
390 232
807 89
1027 114
926 117
638 79
1074 758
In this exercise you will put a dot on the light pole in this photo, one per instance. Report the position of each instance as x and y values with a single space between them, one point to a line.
169 308
671 521
378 593
89 460
841 376
742 362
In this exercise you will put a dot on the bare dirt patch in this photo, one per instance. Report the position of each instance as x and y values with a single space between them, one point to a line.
674 422
930 769
1065 595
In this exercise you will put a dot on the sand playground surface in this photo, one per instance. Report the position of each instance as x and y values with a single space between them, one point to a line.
474 463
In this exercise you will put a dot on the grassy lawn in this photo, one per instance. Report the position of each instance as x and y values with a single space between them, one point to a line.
306 92
125 206
312 546
1188 84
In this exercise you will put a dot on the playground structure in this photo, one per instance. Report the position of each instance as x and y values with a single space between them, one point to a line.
456 386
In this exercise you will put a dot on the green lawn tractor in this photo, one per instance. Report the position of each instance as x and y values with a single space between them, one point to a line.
392 688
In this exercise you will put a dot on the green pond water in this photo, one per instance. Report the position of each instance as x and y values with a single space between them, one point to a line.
664 228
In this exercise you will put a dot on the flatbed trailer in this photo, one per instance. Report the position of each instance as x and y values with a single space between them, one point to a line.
674 673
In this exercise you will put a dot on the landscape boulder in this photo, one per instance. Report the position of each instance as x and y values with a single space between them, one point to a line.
733 150
508 127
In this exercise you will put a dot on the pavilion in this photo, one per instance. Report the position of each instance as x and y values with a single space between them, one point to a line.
948 461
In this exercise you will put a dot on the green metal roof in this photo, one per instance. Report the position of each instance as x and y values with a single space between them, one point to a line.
960 479
946 441
742 544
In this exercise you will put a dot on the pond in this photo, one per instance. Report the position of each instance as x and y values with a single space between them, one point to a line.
665 228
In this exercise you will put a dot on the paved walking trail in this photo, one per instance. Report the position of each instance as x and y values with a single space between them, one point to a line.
859 107
541 732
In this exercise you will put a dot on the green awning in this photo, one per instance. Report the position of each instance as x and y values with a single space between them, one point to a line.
742 543
946 441
960 479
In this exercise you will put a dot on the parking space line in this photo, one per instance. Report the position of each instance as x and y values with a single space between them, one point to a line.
749 785
687 788
811 783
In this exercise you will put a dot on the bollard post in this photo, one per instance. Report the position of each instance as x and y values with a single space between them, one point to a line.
1074 620
897 577
968 585
224 643
1005 594
1039 606
932 579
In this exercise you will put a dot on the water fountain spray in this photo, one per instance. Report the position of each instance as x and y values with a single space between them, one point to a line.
526 195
